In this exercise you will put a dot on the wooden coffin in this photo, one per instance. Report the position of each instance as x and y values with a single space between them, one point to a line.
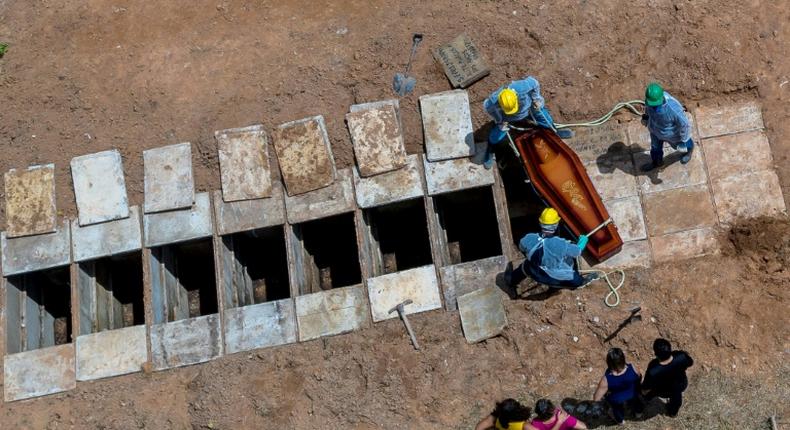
560 178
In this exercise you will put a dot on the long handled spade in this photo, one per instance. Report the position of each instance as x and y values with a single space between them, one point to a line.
402 83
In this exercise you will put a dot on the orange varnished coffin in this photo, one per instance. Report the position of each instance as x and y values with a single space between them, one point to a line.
559 176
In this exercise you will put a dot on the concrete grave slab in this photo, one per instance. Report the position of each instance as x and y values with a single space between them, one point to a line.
377 104
737 154
613 176
244 163
397 185
463 278
453 175
729 119
447 124
684 244
304 154
331 312
39 372
99 187
462 61
178 226
680 209
105 239
419 284
169 183
603 141
111 353
30 253
482 314
377 139
185 342
244 215
332 200
628 217
260 326
748 196
635 253
673 174
639 136
30 200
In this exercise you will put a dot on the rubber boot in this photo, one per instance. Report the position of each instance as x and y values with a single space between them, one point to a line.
686 157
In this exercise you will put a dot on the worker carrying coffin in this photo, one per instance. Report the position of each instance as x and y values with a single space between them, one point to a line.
515 102
550 259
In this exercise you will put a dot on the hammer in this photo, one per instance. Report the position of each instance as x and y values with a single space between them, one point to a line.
402 315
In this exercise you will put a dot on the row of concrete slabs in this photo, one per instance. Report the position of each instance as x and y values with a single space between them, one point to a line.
192 276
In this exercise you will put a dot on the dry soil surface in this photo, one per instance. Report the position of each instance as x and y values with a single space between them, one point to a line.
81 77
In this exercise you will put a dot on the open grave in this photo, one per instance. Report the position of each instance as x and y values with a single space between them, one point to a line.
38 309
398 236
468 224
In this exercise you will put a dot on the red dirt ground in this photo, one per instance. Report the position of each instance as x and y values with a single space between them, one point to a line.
81 77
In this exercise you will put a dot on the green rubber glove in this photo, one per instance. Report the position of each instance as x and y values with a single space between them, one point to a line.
582 243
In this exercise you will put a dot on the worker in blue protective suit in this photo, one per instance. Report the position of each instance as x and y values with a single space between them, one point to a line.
517 101
667 122
550 259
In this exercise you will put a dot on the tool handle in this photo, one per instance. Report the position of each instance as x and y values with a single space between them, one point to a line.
411 332
604 224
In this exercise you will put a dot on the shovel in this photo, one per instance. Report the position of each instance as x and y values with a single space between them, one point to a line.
402 83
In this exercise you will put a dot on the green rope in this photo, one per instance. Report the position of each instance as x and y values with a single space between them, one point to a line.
628 105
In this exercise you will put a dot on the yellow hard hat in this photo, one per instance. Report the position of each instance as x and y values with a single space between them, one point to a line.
549 216
508 101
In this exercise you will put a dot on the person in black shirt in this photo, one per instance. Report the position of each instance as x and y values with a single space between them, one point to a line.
666 375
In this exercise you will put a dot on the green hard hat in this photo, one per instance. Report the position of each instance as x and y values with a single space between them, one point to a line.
654 95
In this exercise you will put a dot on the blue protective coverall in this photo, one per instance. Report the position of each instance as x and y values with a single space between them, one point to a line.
528 91
667 123
550 261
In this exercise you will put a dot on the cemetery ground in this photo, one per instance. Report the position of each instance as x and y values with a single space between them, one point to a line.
79 78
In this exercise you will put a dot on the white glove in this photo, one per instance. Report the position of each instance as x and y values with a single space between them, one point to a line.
504 126
536 104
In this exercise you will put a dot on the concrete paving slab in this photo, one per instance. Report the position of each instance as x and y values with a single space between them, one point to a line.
39 372
185 342
463 278
420 285
30 201
331 312
748 196
245 215
111 353
603 141
108 238
377 139
395 186
737 154
332 200
99 187
628 217
260 326
31 253
304 155
680 209
163 228
613 176
684 244
729 119
635 253
454 175
447 124
462 62
244 163
673 174
169 183
482 314
371 105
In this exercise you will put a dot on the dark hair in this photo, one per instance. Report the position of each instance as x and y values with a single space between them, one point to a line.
662 348
615 359
545 409
510 410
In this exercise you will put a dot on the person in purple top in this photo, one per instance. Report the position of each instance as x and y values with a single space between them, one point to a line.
666 375
619 386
